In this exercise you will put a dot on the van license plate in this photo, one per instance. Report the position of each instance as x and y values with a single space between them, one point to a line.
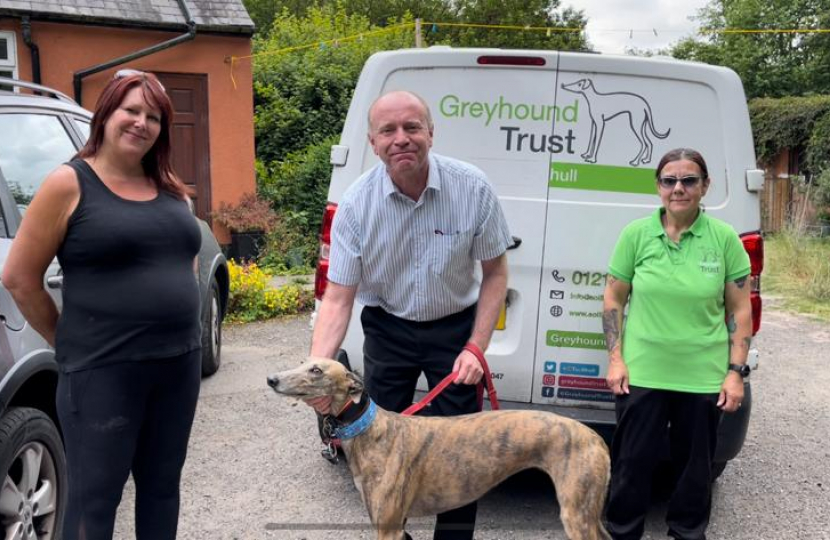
501 323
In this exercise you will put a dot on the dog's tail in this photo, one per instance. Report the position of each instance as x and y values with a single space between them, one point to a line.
652 128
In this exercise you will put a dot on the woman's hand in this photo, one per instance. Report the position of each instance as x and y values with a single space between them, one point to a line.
732 392
614 299
617 377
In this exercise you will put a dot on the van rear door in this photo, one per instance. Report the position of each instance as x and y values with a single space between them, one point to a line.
477 110
627 114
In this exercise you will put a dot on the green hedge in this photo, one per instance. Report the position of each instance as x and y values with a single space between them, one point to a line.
792 122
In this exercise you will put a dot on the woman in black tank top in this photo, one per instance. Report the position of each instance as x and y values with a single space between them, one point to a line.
127 339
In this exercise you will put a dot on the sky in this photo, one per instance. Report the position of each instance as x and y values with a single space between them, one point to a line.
614 25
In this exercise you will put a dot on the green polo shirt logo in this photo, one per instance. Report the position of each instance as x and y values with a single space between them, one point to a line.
709 261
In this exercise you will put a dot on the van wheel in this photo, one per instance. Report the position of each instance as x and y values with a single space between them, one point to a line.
33 469
212 331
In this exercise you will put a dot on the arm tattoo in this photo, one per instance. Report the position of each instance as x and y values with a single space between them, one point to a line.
610 324
740 282
730 323
611 279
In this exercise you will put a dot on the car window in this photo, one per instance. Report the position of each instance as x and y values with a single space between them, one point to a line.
31 146
83 127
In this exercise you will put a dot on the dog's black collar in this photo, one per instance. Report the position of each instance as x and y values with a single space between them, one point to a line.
351 422
351 413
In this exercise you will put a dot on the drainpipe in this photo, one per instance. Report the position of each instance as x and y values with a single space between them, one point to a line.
79 75
33 48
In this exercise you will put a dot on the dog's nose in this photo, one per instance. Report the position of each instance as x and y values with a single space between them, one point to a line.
273 381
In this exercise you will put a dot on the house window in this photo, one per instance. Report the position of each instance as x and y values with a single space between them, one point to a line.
8 57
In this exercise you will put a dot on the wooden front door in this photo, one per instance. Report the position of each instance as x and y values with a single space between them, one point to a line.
190 136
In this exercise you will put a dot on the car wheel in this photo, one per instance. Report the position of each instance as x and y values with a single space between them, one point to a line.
33 466
212 331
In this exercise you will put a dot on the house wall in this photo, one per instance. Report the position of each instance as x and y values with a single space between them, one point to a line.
66 48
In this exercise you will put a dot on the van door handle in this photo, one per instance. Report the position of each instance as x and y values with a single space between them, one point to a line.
54 282
516 243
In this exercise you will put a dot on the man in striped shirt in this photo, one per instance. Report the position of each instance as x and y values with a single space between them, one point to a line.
406 239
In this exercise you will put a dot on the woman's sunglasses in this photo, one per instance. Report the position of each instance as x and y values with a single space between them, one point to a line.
668 182
121 73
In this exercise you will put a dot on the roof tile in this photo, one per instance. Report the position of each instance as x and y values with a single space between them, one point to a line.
210 15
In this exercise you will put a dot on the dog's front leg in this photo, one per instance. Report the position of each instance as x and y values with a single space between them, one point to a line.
389 518
391 529
392 535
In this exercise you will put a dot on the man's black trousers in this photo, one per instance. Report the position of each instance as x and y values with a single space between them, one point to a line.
642 419
395 353
122 418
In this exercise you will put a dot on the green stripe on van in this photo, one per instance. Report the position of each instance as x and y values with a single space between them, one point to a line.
602 178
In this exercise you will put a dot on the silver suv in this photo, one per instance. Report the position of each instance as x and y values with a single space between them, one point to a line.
41 128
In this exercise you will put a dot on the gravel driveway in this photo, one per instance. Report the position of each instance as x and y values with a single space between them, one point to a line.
254 471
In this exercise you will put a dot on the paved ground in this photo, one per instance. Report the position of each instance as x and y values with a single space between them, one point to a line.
253 471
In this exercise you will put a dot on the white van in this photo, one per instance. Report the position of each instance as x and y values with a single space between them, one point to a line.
570 142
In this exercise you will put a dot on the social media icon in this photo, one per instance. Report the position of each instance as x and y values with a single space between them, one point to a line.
549 380
547 391
550 367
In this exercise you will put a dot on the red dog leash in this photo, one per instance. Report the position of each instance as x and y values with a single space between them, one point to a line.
491 389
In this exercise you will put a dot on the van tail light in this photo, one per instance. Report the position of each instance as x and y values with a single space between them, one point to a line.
321 277
754 246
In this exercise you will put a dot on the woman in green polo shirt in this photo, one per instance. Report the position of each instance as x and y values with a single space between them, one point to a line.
676 364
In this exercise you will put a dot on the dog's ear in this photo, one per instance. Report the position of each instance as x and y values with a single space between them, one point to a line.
355 386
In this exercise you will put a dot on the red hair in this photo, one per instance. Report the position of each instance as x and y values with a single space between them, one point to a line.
156 162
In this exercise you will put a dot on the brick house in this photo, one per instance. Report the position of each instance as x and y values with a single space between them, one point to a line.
77 46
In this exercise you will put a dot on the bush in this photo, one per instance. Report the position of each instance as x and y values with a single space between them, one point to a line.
297 187
289 248
252 299
818 146
821 193
778 124
251 214
301 97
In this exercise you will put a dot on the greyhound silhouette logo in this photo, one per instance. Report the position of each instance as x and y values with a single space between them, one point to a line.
604 107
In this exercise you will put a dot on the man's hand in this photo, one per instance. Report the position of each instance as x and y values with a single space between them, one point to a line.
617 377
467 368
320 404
732 392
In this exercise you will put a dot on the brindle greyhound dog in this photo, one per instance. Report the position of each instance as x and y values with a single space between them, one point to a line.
420 466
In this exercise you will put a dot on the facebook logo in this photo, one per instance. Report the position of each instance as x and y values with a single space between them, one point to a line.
547 391
550 367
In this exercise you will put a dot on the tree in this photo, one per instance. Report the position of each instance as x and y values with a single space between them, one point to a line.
307 59
535 14
526 13
301 96
771 64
